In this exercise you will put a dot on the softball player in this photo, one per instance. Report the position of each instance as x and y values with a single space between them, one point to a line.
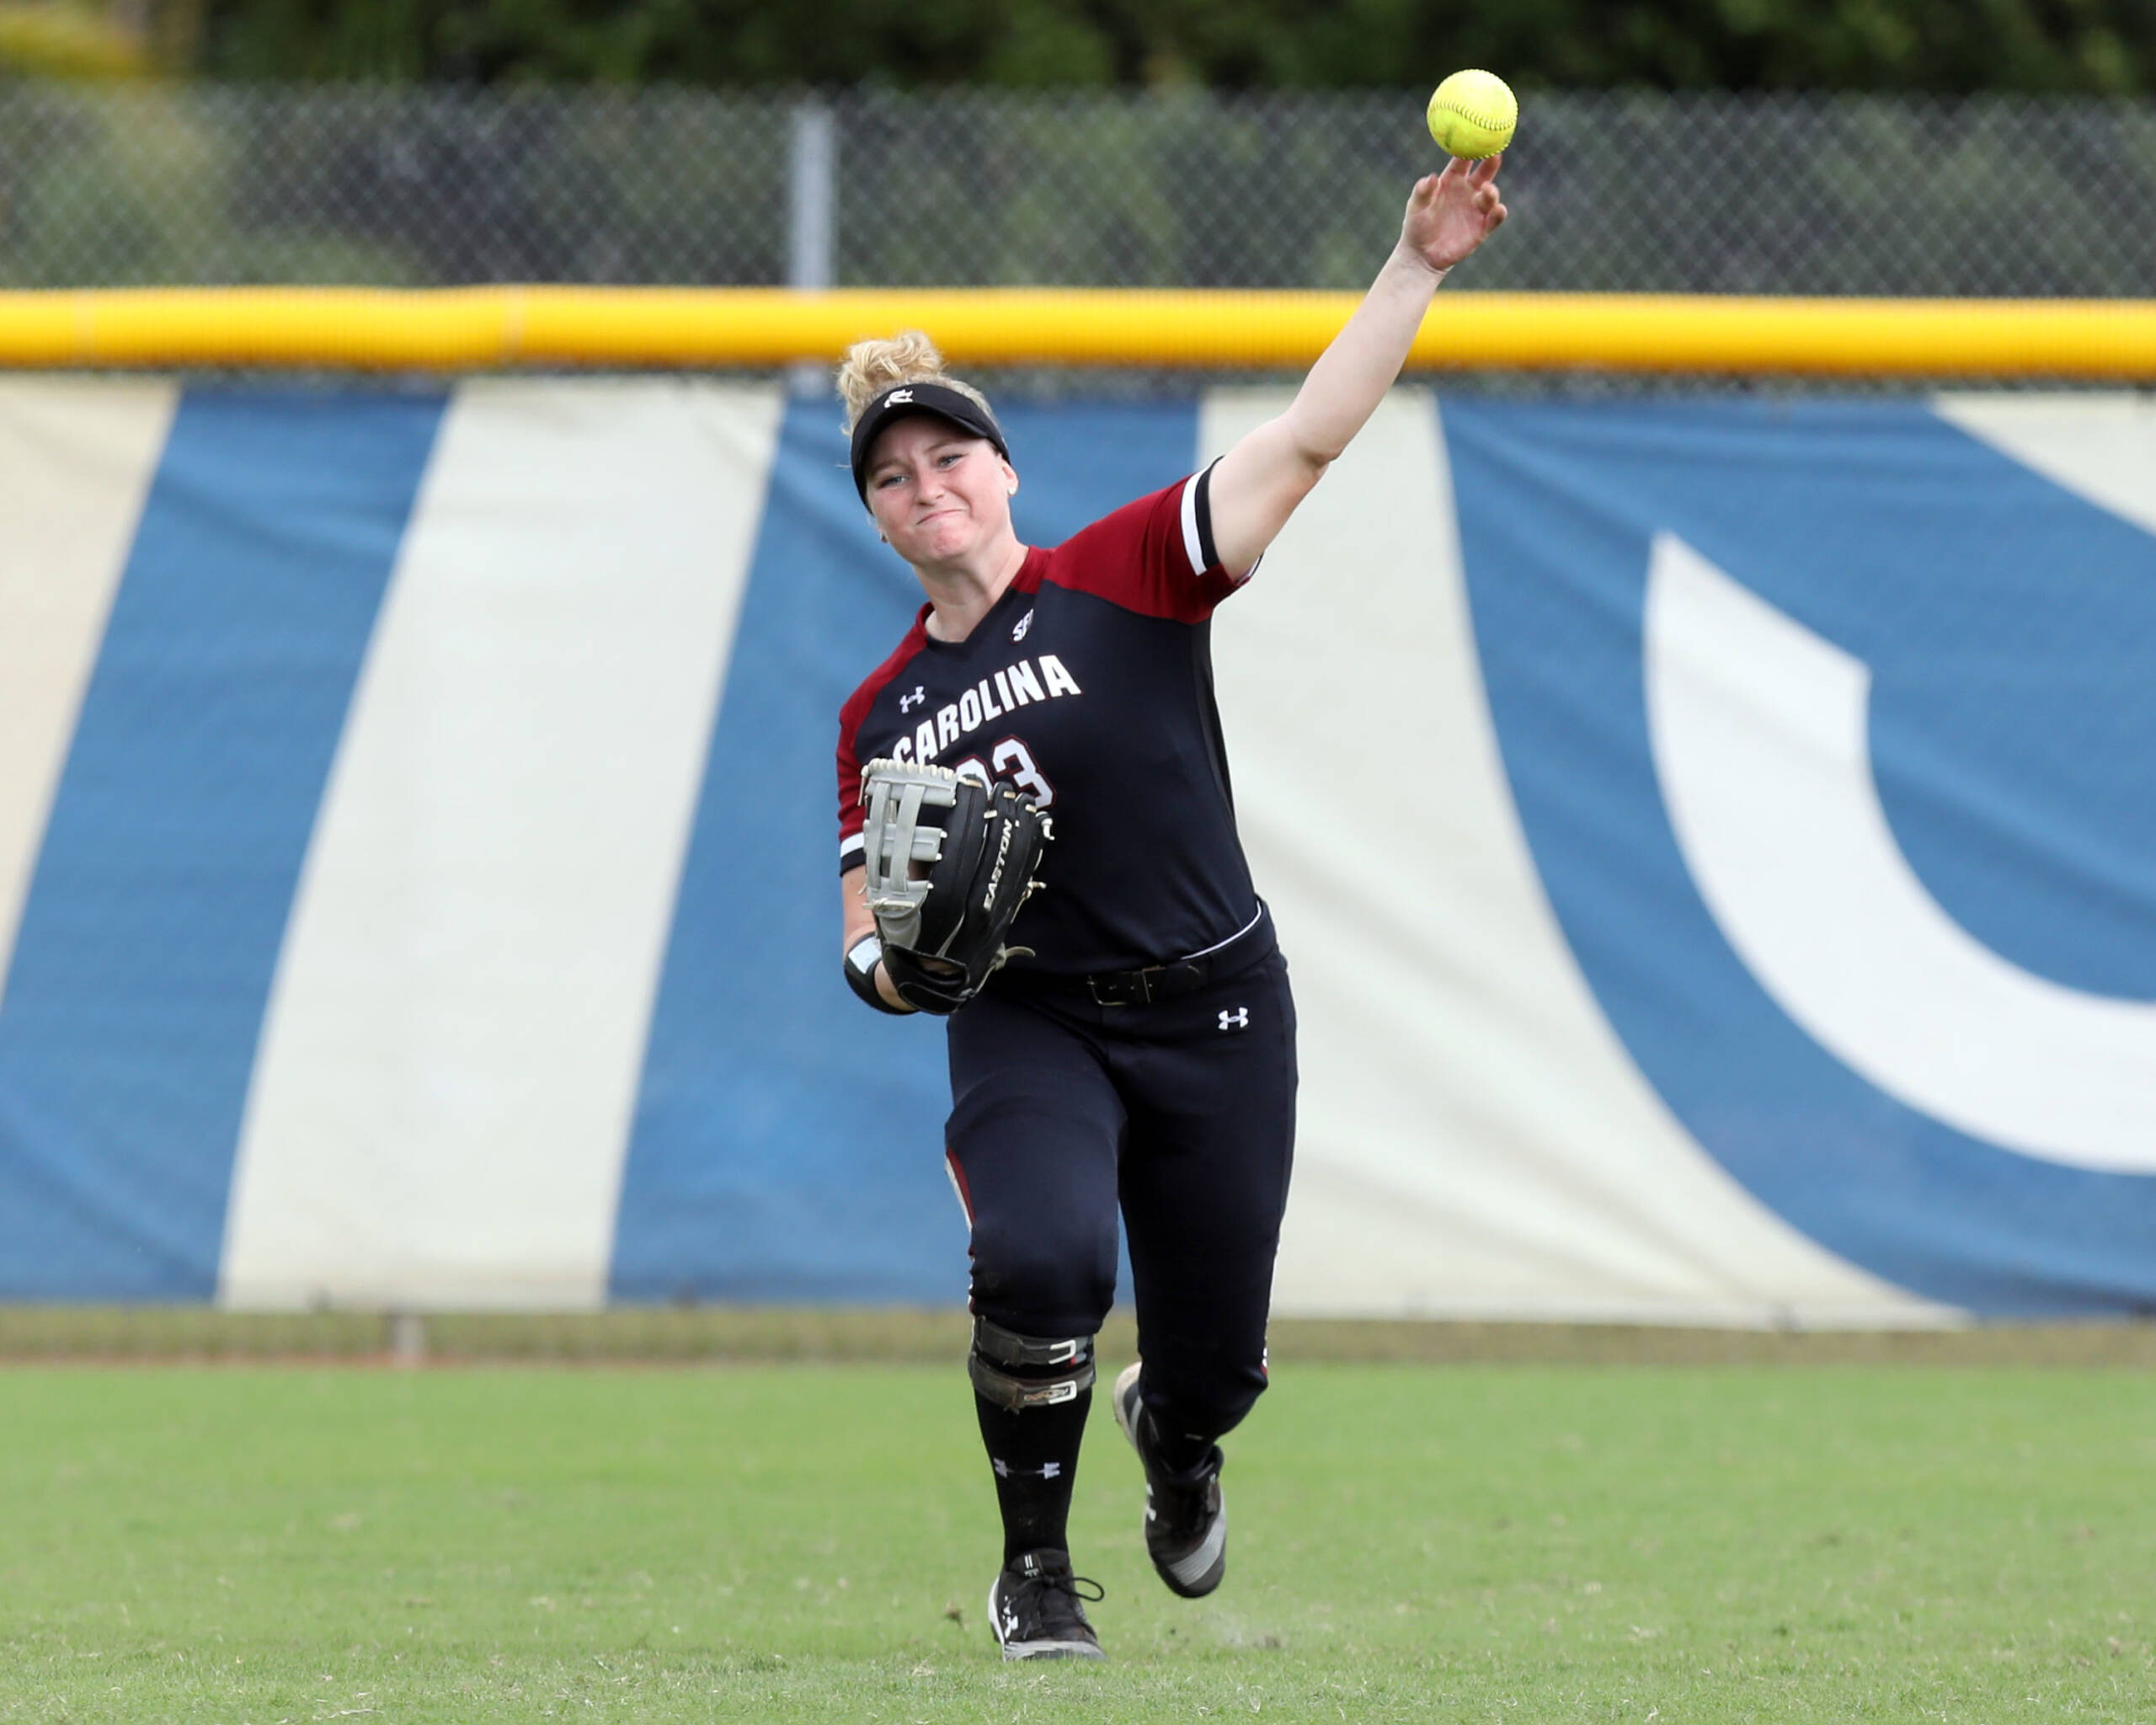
1124 1039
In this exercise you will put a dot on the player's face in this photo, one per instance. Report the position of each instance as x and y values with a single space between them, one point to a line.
937 493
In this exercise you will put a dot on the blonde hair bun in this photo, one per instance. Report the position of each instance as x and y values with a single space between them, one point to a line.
872 367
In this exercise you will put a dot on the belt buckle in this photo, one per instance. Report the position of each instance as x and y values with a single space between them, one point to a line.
1127 988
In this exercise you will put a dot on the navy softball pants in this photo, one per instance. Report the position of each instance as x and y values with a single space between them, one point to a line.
1182 1113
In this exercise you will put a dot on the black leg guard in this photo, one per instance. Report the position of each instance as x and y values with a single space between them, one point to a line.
1018 1372
1032 1395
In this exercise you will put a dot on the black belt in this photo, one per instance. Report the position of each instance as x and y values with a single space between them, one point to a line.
1154 982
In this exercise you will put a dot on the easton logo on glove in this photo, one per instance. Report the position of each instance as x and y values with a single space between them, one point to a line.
950 861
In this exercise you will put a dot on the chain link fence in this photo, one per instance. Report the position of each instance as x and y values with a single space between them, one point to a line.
1786 195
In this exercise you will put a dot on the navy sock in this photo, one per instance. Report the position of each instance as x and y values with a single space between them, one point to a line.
1035 1456
1184 1456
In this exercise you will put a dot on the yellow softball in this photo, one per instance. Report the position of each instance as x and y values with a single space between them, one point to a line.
1472 114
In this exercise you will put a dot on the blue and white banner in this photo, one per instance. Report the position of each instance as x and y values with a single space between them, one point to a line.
1715 842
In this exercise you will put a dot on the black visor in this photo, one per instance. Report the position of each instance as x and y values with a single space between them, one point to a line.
963 411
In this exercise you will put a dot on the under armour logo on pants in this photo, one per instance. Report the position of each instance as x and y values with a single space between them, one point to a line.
1237 1020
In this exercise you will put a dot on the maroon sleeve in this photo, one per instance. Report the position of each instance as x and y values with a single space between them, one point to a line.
1154 556
850 817
851 716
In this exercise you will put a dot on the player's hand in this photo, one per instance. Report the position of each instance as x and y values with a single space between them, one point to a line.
1450 214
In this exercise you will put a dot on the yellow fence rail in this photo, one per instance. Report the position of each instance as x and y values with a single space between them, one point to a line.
459 329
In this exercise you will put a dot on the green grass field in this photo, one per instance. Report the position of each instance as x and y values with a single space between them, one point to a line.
1485 1542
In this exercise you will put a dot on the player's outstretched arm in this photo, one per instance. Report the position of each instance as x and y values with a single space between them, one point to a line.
1259 482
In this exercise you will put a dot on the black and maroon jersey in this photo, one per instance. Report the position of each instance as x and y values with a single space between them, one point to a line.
1090 683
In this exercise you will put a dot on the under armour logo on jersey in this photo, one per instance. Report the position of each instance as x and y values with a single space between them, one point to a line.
897 396
1025 623
908 702
1237 1020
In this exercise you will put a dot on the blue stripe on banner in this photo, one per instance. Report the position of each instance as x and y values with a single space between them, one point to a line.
788 1142
153 925
2005 622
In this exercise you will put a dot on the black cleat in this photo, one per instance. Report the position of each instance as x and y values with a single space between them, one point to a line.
1186 1515
1037 1612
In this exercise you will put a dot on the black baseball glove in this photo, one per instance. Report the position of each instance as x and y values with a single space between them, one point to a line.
950 861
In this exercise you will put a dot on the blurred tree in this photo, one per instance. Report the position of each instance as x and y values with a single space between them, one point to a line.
56 39
2089 46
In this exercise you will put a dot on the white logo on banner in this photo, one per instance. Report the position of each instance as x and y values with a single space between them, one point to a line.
1762 747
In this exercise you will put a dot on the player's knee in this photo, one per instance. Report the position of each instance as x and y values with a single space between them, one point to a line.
1019 1372
1038 1286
